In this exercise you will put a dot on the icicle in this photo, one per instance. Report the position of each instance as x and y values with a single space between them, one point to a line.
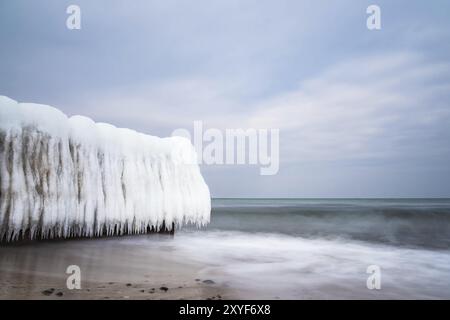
71 177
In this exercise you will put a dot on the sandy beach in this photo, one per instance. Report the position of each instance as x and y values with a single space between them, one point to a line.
113 268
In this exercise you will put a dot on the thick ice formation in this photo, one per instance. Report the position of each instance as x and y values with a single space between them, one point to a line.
66 177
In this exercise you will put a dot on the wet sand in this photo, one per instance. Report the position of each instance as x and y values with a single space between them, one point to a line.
145 267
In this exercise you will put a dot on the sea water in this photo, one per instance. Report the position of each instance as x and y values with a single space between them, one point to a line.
322 248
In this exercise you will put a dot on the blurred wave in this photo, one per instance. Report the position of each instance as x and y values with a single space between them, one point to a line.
402 222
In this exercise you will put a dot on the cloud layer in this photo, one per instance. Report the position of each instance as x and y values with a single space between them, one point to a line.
360 113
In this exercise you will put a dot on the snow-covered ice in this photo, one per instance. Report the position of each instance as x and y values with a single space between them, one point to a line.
66 177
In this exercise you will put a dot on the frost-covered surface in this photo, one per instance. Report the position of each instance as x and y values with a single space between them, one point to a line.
66 177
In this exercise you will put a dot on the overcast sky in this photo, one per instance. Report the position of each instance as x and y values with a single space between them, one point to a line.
361 113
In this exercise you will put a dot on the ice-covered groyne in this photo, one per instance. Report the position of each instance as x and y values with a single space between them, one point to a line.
71 177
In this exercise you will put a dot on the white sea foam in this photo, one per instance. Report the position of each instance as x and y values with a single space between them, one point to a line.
62 177
270 265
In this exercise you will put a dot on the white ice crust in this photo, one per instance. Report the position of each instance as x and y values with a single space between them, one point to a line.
71 177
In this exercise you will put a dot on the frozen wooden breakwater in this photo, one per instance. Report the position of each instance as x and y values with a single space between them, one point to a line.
64 177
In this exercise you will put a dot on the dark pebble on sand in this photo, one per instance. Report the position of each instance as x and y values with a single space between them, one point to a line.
60 294
208 281
142 290
197 279
48 291
164 288
129 284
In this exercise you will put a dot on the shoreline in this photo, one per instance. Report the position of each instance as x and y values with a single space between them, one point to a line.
220 265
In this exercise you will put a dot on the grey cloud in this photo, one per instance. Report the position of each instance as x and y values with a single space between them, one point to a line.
361 113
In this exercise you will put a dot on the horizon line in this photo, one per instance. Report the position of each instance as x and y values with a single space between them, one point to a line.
331 198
